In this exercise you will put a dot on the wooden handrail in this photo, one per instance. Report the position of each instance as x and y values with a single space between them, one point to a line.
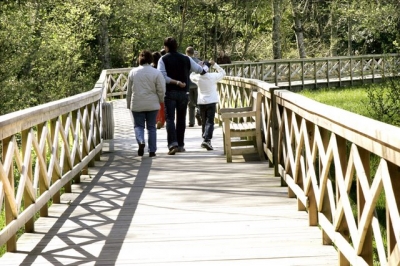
306 142
42 149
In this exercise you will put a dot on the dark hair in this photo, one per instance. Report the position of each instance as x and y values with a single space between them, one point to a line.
156 57
171 43
163 52
145 57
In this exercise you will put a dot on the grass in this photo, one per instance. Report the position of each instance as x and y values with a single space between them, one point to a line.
354 99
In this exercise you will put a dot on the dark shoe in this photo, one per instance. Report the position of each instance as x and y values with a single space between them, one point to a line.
140 151
152 154
191 125
198 117
172 150
181 149
207 145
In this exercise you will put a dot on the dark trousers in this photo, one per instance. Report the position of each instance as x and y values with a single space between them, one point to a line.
207 113
175 106
193 108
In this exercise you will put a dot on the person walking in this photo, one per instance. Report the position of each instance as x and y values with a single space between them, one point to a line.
208 99
194 111
146 90
176 68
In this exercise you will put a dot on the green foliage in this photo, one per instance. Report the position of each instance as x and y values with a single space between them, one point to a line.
51 50
384 102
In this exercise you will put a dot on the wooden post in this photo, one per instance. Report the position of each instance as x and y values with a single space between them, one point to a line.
53 132
312 201
30 224
327 72
394 171
84 131
326 207
12 242
343 227
97 128
44 211
351 71
367 249
373 68
75 124
315 75
66 168
362 69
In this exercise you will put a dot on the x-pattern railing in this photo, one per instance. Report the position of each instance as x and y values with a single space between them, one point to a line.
314 69
42 150
338 165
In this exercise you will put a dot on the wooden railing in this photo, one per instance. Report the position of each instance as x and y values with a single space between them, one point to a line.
323 154
318 72
42 149
336 163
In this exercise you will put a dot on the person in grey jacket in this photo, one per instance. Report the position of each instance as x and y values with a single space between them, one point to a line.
146 90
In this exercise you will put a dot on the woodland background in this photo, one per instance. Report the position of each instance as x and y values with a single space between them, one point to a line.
54 49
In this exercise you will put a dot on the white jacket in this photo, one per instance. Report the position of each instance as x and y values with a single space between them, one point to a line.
146 89
207 85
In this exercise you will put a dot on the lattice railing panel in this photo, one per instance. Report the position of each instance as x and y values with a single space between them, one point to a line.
339 166
43 149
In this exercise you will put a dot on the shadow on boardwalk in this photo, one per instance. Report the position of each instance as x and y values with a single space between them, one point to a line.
191 208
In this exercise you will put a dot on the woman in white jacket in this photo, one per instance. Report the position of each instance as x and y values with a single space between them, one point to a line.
146 90
207 98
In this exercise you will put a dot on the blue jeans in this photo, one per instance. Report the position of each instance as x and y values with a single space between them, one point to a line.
207 113
148 118
176 103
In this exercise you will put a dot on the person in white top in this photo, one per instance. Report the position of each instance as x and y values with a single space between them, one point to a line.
207 98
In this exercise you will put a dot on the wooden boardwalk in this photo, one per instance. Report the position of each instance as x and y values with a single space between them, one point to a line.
191 208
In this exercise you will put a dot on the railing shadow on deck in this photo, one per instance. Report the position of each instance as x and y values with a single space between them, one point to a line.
319 152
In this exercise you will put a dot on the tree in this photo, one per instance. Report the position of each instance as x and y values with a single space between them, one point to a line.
298 28
276 31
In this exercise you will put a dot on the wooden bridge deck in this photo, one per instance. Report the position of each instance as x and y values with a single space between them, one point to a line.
188 209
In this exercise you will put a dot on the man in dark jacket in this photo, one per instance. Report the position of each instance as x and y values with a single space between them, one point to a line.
176 68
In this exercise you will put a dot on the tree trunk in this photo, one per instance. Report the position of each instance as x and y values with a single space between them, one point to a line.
298 30
276 31
334 30
349 44
215 31
183 21
105 42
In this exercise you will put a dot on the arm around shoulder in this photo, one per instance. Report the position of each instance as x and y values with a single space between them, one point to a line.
220 71
160 87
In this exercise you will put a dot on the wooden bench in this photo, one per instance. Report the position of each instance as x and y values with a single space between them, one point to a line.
242 130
